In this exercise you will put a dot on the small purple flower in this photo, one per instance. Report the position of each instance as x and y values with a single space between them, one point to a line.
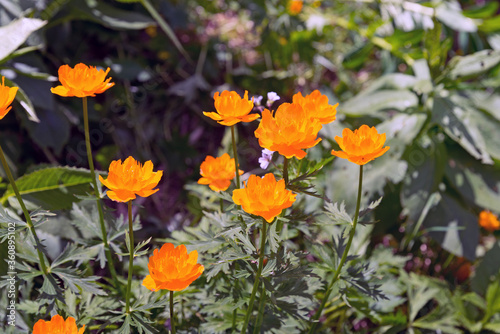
271 98
266 158
257 100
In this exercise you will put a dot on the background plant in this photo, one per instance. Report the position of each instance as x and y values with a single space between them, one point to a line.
424 73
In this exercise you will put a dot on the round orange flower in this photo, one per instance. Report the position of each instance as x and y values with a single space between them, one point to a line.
289 132
232 109
361 146
489 221
57 325
264 197
218 172
172 268
7 95
295 6
129 179
82 81
316 105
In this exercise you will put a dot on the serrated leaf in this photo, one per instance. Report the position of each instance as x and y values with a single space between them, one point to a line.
51 188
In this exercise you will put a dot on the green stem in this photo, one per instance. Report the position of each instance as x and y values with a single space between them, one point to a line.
172 322
166 28
262 305
25 211
257 277
221 202
285 171
107 251
342 260
131 256
235 155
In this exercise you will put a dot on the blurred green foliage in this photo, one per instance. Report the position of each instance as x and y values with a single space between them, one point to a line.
425 73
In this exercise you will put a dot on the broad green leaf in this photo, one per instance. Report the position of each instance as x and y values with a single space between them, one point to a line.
16 33
450 14
493 298
454 227
477 183
112 17
489 102
426 163
371 104
490 25
453 118
25 102
51 188
357 56
485 11
473 64
488 268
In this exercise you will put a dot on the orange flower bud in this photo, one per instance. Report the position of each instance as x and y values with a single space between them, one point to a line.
316 105
295 7
57 325
264 196
361 146
289 132
82 81
129 179
232 109
172 268
489 221
7 95
218 172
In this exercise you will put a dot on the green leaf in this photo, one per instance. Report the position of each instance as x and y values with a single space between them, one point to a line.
426 164
112 17
51 188
357 56
492 299
473 64
485 11
371 104
477 183
454 120
488 267
454 227
490 25
450 14
16 33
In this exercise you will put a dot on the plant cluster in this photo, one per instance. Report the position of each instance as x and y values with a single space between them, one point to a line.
378 213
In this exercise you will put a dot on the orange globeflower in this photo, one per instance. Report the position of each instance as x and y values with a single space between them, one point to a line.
489 221
218 172
82 81
295 6
289 132
361 146
232 109
57 325
7 95
129 179
172 268
264 196
316 105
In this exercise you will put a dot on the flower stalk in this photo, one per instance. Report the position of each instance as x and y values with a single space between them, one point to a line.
107 250
342 260
235 156
131 256
172 322
257 277
25 211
